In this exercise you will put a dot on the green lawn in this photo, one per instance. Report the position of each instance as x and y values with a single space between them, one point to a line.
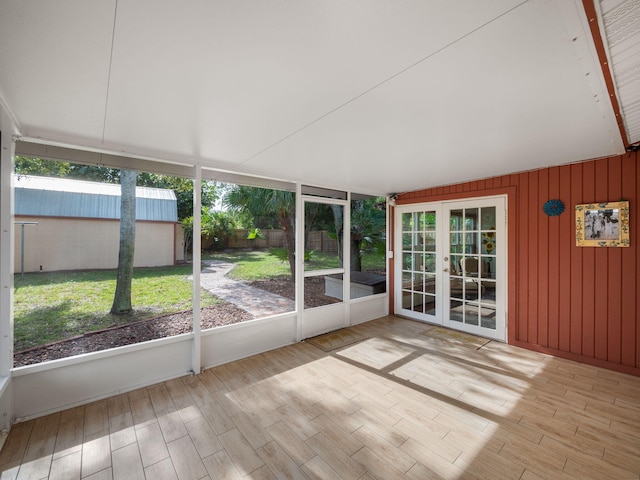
264 264
374 262
53 306
252 264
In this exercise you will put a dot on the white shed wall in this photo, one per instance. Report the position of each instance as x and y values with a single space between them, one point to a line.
79 244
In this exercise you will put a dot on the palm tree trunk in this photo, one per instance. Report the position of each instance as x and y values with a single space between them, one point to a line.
338 221
356 258
289 240
122 297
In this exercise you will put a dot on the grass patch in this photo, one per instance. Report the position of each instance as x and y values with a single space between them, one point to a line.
53 306
374 262
253 264
265 264
322 261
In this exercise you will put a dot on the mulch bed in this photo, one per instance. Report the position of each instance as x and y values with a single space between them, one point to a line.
142 331
314 290
224 313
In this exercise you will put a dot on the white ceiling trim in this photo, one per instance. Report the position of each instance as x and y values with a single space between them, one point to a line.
108 159
4 105
100 158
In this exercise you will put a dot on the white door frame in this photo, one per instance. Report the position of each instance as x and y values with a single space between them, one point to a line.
440 314
318 320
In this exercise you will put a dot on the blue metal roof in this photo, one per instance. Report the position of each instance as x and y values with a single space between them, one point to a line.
63 197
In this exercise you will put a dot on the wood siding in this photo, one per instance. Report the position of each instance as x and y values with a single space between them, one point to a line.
581 303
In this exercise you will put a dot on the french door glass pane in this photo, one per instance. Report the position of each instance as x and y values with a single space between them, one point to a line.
407 239
419 261
470 219
430 262
473 254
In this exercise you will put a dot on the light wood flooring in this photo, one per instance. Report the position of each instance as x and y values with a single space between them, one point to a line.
400 404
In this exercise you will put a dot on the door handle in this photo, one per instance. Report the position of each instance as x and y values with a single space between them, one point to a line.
445 270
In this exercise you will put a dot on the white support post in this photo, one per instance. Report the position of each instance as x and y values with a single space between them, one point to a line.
346 260
7 146
388 264
299 265
196 258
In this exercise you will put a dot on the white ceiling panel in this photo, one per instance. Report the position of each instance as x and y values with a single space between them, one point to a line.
377 96
237 76
510 97
54 65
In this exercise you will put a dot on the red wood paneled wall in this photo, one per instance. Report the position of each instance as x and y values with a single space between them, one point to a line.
581 303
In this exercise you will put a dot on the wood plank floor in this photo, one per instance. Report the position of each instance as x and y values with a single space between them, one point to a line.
400 404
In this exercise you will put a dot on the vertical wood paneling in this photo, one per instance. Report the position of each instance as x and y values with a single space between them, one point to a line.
629 290
532 289
601 262
543 258
635 231
588 270
577 288
553 256
614 272
580 301
512 264
523 255
565 237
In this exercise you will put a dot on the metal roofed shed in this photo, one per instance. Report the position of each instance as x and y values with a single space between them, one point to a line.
79 225
63 197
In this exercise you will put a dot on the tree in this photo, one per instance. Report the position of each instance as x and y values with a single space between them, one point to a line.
262 202
216 227
122 298
183 188
40 167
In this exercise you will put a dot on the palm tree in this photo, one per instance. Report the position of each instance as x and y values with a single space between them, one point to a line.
262 202
368 219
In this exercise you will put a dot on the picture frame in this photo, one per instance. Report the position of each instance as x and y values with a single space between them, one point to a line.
602 224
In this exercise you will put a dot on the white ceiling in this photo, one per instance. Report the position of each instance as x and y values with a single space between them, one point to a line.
372 96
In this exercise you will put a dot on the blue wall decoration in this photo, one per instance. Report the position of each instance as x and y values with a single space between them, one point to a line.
553 207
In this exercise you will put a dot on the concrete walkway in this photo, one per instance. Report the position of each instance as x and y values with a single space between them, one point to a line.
258 303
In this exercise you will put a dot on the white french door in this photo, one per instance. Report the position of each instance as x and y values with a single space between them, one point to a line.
450 267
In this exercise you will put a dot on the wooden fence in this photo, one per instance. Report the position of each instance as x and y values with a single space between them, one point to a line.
318 241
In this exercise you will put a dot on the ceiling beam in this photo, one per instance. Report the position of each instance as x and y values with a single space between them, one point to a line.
594 26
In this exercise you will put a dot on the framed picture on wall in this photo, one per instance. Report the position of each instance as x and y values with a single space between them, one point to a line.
602 224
